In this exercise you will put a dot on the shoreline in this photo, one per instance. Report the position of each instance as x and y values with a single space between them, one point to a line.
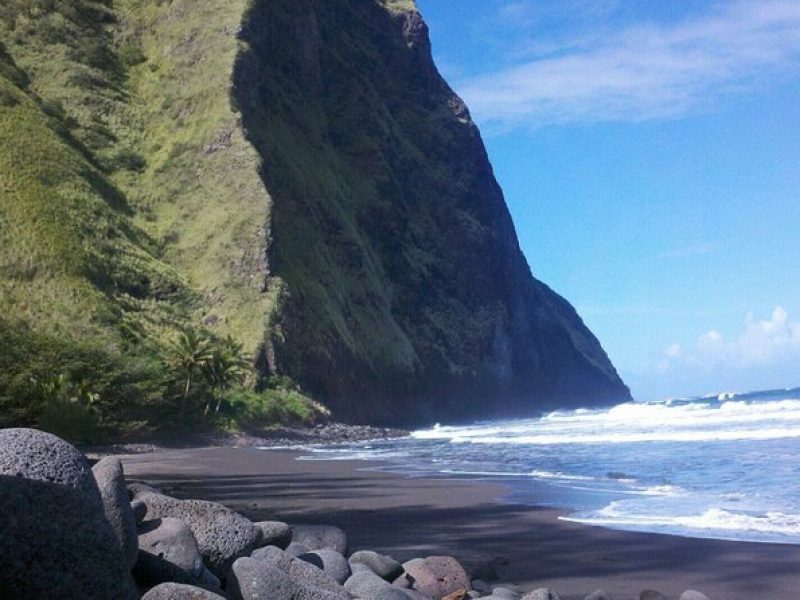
473 520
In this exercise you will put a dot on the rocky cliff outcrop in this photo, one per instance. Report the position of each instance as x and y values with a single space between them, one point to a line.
405 295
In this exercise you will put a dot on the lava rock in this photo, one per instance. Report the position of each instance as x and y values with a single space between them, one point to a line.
253 579
139 509
541 594
436 576
168 551
317 537
110 480
331 562
222 535
367 584
42 456
179 591
275 533
58 537
504 593
295 549
298 569
383 566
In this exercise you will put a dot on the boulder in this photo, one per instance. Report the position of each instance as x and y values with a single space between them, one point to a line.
415 595
504 593
222 535
58 537
693 595
110 480
383 566
317 537
459 595
598 595
541 594
275 533
34 454
253 579
436 576
331 562
367 584
179 591
298 569
139 509
167 552
295 549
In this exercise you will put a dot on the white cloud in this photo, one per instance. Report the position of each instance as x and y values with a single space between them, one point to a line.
642 71
762 343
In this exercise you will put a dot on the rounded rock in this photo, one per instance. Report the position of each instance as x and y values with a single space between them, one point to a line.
383 566
168 551
253 579
179 591
298 569
693 595
222 535
110 479
541 594
436 576
139 509
275 533
331 562
367 584
317 537
59 537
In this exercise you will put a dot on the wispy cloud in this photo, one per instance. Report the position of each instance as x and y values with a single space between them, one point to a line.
762 343
641 71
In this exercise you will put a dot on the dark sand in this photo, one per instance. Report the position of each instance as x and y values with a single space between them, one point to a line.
409 517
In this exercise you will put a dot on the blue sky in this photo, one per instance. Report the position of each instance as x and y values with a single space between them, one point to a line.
650 155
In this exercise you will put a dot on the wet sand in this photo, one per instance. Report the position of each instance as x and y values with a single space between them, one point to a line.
528 546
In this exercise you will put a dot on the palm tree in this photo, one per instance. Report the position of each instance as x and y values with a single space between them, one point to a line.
189 354
227 367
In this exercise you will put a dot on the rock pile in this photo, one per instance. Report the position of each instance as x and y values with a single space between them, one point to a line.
70 531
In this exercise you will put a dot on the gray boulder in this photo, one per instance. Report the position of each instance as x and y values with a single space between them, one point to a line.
383 566
275 533
415 595
299 569
110 480
139 509
693 595
317 537
34 454
504 593
367 584
253 579
541 594
180 591
295 549
58 537
167 552
222 535
436 576
331 562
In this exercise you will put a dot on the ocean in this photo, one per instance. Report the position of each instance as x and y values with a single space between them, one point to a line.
725 467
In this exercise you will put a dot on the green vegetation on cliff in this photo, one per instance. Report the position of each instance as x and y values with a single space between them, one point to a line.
290 178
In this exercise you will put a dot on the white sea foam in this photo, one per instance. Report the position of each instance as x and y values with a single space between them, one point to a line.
713 522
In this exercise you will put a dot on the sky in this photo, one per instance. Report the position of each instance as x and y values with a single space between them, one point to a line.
649 152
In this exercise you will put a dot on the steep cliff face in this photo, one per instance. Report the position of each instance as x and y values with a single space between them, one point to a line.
405 296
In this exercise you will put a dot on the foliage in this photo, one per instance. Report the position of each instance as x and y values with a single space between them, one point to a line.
252 410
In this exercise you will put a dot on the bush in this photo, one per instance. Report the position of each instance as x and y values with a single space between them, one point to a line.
248 409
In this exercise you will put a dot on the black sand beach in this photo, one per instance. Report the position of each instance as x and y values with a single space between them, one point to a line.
529 547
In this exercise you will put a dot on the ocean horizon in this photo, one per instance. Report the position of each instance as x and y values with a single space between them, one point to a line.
721 466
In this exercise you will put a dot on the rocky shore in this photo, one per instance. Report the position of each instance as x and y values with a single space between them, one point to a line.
85 532
326 433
